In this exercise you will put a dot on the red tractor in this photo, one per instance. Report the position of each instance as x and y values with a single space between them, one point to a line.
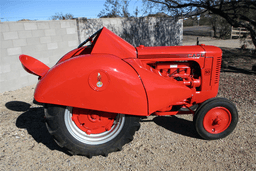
95 95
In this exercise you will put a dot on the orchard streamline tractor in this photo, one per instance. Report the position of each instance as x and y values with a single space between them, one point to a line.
96 94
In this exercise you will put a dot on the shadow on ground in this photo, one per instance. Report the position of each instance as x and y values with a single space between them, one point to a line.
177 125
33 121
17 106
237 70
238 60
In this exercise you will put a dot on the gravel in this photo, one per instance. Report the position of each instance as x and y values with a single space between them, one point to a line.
162 143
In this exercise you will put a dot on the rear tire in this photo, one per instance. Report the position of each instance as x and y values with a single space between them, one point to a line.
216 118
89 140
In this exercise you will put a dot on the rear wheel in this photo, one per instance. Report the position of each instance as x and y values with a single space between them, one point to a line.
88 132
215 118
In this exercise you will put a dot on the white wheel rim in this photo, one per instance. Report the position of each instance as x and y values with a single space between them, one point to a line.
93 139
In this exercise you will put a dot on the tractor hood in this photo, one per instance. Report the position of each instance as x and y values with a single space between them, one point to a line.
169 51
109 43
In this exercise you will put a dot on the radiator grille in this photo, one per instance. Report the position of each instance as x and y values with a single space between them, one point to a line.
218 66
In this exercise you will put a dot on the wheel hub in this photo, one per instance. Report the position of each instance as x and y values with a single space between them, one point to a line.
91 121
217 120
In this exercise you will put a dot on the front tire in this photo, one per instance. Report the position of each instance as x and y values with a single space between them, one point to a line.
216 118
88 132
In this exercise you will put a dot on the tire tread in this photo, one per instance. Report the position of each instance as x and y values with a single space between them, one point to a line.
200 114
53 116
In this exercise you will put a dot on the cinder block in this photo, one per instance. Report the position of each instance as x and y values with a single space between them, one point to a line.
6 44
1 81
10 35
56 55
14 26
65 24
25 34
43 25
63 44
45 40
14 51
23 81
34 50
54 24
10 75
57 38
38 33
40 47
4 27
73 43
33 41
72 23
57 52
5 68
32 80
61 32
10 59
19 42
27 49
51 46
30 26
3 53
10 85
17 85
50 32
66 50
3 87
71 30
16 66
44 54
23 73
69 37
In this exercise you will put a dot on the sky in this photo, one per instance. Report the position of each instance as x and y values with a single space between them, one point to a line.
14 10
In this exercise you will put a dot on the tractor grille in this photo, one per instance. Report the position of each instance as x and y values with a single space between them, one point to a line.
217 74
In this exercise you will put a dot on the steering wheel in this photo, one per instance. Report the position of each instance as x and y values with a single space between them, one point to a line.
90 38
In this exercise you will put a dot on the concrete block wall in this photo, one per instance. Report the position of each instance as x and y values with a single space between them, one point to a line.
87 27
148 31
46 41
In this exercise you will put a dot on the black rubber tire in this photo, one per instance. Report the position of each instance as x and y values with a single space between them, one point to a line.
207 106
55 122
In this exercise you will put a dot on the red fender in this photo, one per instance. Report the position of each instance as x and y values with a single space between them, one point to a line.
99 82
33 66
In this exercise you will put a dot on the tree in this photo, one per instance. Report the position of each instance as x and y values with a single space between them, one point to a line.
220 26
60 16
125 12
136 12
238 13
115 8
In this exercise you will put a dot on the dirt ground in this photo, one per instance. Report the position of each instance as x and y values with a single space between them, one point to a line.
162 143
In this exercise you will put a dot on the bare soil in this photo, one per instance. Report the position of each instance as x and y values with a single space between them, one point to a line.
162 143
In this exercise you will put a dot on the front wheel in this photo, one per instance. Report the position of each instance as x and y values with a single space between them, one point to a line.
215 118
88 132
